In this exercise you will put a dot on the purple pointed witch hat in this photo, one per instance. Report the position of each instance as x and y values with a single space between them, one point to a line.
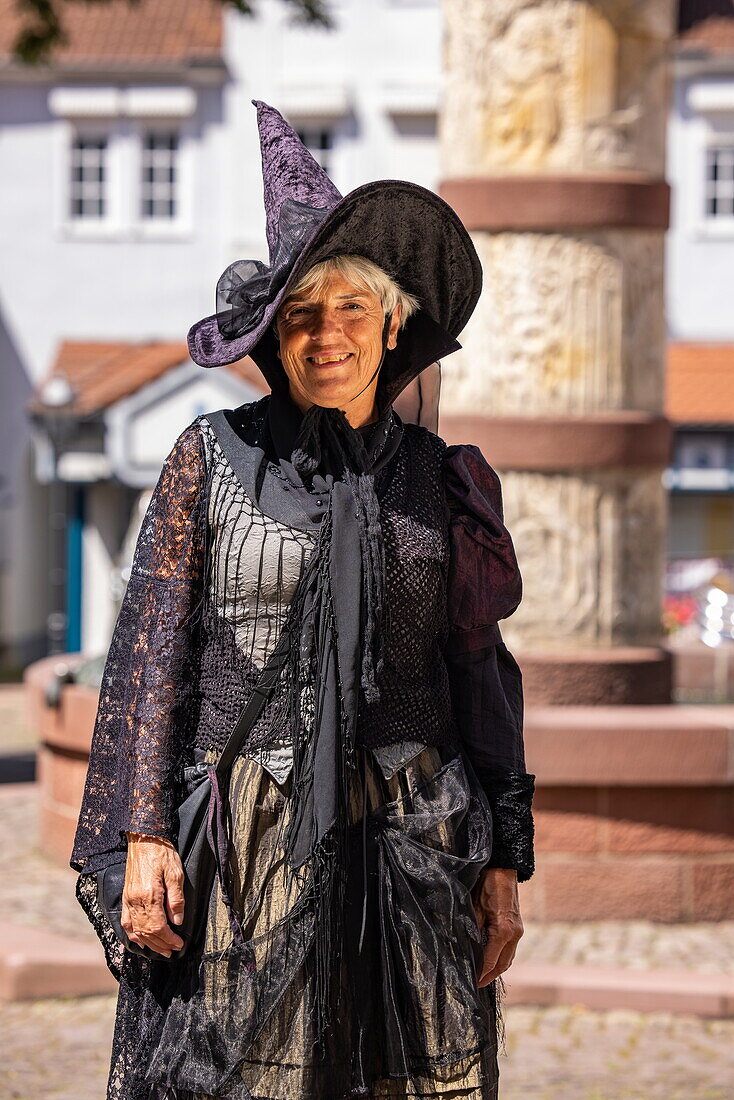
407 230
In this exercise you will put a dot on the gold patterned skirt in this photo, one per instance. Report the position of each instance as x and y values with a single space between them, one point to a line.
412 1022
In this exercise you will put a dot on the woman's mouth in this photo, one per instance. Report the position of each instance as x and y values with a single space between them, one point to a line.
328 360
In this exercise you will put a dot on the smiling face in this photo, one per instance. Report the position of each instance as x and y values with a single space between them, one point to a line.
331 345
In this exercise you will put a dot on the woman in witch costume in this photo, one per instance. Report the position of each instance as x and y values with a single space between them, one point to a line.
377 817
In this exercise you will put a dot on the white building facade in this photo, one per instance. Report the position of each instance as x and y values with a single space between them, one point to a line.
699 292
700 242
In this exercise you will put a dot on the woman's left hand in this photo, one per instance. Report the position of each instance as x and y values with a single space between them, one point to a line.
497 906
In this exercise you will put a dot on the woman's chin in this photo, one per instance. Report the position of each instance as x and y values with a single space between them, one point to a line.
333 396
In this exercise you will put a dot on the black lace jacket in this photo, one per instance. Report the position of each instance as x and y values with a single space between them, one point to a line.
177 671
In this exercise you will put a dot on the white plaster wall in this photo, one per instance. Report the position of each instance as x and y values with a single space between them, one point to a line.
699 255
381 54
107 514
142 429
56 283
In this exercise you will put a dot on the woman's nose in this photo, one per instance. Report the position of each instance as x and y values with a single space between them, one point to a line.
326 323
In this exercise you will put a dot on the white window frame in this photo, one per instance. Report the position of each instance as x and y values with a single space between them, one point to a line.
159 152
83 145
180 226
111 116
711 125
109 225
716 222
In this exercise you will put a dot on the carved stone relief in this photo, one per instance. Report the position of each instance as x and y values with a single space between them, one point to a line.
568 323
590 549
565 324
544 85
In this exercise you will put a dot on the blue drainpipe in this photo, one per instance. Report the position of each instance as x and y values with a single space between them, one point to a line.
74 532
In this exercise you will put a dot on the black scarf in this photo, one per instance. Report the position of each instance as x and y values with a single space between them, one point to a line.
336 619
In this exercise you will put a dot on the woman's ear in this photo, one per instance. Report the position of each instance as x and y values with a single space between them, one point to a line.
392 336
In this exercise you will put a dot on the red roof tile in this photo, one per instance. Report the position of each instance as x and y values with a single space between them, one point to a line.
101 373
691 12
715 36
152 30
706 25
700 383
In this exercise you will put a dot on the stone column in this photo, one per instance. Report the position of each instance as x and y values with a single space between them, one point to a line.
552 136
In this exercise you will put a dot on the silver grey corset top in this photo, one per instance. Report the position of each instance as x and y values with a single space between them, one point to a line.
256 563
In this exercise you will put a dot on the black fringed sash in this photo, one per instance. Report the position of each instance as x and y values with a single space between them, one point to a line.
338 608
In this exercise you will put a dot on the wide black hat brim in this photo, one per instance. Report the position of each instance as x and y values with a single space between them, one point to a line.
413 235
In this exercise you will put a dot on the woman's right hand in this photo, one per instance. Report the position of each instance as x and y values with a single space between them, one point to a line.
153 893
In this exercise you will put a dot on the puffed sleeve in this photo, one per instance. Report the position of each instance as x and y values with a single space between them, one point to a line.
485 586
147 698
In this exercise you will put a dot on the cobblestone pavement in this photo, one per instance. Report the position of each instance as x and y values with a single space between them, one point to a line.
570 1053
706 948
59 1050
33 890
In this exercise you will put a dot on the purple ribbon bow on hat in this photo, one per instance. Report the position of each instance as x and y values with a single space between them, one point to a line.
247 286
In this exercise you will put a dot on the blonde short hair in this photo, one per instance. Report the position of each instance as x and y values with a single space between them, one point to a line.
362 273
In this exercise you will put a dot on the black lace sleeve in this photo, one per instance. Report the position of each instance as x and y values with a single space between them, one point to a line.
485 586
147 699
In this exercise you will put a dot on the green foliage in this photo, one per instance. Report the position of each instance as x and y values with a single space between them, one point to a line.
39 33
42 30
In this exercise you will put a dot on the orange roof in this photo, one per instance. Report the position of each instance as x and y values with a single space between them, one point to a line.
706 25
101 373
150 31
700 383
714 35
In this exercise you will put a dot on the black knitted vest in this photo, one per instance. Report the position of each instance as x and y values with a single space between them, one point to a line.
414 688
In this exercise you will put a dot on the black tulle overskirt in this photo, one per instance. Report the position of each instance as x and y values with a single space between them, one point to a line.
408 1017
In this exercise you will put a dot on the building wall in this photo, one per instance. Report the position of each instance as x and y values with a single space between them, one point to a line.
699 275
107 282
699 249
373 82
24 579
120 282
65 281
